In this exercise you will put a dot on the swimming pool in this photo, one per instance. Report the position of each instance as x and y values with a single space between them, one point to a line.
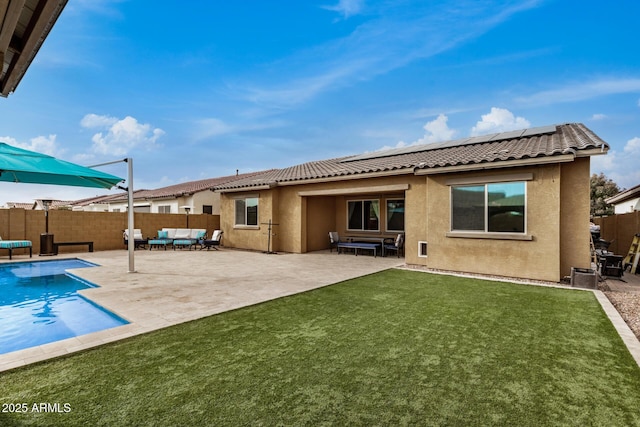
39 304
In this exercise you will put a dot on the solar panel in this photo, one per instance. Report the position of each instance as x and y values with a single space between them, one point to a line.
493 137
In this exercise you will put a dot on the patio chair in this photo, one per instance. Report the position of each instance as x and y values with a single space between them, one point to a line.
138 240
334 239
214 242
394 245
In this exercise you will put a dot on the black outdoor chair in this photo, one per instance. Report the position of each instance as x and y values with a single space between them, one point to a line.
395 245
214 242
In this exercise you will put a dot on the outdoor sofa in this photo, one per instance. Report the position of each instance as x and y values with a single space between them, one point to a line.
177 237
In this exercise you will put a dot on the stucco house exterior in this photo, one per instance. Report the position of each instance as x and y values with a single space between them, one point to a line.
626 201
510 204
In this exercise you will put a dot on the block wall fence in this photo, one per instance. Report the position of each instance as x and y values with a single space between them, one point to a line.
104 229
619 230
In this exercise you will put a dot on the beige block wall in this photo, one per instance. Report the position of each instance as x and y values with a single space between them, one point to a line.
574 216
103 228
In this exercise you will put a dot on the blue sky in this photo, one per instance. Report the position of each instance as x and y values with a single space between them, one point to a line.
198 90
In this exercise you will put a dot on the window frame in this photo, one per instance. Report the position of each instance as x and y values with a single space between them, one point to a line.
387 216
363 229
246 213
485 233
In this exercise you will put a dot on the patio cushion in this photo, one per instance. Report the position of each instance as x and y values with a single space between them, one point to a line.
163 234
10 244
182 233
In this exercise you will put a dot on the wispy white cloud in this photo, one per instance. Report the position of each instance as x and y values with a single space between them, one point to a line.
39 144
621 167
597 117
213 127
386 42
499 120
580 91
436 130
632 146
120 136
346 8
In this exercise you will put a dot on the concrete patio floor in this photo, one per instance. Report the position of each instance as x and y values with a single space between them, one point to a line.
171 287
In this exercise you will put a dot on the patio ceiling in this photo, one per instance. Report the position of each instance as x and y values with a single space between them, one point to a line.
24 25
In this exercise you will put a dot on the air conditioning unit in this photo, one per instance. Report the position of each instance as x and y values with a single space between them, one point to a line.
584 278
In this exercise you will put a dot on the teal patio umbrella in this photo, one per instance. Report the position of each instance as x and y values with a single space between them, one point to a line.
24 166
19 165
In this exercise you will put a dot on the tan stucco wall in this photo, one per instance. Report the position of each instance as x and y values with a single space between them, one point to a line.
250 237
574 216
536 259
557 241
304 222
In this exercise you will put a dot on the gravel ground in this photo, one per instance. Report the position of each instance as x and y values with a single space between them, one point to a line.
628 305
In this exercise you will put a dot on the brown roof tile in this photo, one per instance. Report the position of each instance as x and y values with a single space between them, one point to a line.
183 189
514 145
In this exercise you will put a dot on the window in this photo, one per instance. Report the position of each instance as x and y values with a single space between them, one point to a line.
492 208
395 215
207 209
363 215
247 211
164 209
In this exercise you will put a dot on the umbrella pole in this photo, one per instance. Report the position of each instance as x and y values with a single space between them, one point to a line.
131 242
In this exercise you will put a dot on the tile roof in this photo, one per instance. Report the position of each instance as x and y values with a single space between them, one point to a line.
177 190
521 145
625 195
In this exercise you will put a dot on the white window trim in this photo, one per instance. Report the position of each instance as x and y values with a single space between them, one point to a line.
479 234
362 229
245 225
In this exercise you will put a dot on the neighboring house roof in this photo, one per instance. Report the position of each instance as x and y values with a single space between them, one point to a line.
38 205
21 205
183 189
528 146
24 24
623 196
103 199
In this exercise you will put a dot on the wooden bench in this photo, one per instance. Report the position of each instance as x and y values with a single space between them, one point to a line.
57 244
359 245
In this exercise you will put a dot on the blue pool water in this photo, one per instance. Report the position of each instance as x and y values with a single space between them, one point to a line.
39 304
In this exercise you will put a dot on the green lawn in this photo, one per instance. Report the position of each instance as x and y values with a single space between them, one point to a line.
393 348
